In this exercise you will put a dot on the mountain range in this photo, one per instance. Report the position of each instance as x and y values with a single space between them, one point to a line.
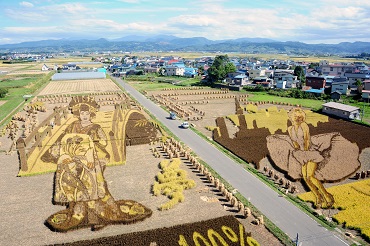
134 43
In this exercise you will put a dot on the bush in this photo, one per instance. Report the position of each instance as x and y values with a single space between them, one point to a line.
255 88
3 92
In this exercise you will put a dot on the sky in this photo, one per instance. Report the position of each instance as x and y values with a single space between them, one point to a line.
313 21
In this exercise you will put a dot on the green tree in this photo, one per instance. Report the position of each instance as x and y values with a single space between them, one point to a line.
200 70
162 71
359 85
220 68
299 72
3 92
313 65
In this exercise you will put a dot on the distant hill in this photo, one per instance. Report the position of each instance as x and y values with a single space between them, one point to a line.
138 38
197 44
252 40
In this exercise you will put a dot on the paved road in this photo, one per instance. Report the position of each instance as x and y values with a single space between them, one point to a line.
280 211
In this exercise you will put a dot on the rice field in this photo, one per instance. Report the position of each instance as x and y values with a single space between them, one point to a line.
79 87
353 202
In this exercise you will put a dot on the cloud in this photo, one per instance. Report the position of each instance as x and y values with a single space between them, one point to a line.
68 8
26 4
350 13
192 20
51 13
31 30
5 40
26 16
344 3
214 19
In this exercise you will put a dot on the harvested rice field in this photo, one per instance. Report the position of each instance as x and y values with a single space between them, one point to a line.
62 87
33 207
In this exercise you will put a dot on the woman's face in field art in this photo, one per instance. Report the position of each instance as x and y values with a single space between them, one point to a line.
85 113
297 116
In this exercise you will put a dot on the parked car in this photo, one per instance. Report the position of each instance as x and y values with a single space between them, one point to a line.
172 115
185 125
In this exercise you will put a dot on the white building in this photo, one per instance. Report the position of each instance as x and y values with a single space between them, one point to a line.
175 71
341 110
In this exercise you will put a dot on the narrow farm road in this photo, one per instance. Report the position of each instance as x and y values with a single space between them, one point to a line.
281 212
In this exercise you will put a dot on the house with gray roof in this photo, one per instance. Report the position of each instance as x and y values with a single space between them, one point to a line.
240 80
341 87
285 80
341 110
352 77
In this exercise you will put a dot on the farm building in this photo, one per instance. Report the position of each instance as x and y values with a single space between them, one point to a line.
341 110
78 75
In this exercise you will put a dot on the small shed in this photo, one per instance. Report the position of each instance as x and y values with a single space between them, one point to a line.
341 110
335 95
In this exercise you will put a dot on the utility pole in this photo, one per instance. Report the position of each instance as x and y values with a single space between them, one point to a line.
363 112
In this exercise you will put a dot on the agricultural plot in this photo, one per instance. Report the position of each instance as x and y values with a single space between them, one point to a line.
295 148
91 162
13 67
29 72
79 86
18 85
352 200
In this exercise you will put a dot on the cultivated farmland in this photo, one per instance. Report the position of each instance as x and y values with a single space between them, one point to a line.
259 133
62 87
30 144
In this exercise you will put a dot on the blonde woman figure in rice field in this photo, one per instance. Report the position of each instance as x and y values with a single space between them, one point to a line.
313 158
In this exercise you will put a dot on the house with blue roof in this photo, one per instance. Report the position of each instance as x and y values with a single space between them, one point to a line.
230 77
237 79
190 72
